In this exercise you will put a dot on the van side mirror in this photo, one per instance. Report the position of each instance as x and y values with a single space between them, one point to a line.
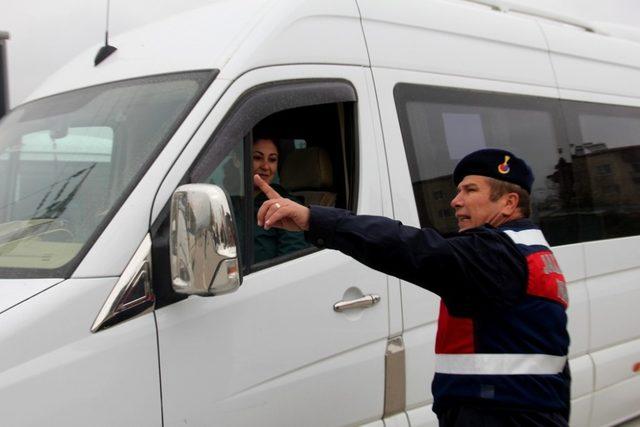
203 254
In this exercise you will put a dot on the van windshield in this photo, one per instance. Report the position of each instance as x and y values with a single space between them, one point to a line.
69 160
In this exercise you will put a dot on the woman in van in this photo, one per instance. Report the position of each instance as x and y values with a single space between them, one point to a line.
274 242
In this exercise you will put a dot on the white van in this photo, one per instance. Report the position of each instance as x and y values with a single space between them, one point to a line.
121 307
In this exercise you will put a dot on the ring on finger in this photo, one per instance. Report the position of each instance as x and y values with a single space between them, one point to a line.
277 205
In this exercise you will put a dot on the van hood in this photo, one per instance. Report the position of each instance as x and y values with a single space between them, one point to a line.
15 291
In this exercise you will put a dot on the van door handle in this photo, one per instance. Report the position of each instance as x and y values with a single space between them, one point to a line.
363 302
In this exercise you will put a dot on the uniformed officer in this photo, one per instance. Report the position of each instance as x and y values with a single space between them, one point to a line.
502 342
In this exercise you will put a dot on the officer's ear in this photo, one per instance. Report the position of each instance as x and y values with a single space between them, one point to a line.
510 202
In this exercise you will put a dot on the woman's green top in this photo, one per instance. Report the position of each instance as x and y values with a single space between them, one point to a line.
268 244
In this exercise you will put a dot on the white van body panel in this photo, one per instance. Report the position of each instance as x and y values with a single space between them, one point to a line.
616 363
581 411
572 262
398 420
575 95
275 355
227 35
590 62
615 404
613 267
581 376
211 33
420 361
302 32
612 270
13 292
386 203
50 359
456 40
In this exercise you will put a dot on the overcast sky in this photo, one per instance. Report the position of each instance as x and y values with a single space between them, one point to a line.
47 33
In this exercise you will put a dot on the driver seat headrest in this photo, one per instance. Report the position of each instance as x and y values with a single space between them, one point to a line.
309 173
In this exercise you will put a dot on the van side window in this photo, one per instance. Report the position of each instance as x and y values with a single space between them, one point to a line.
440 126
306 154
605 168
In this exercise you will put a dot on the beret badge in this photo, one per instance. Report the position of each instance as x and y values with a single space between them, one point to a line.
503 167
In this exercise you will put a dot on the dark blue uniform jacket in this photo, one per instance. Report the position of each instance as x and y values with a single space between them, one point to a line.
483 278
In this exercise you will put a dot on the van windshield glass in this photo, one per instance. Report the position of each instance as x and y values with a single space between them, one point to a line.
68 161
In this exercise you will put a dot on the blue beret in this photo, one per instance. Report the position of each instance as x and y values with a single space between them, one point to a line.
495 163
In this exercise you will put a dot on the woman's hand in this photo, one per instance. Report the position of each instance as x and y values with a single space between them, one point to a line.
280 212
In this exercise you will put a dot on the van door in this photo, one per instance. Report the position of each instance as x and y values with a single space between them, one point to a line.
276 352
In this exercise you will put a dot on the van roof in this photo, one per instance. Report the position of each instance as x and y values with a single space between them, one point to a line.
236 36
620 31
228 35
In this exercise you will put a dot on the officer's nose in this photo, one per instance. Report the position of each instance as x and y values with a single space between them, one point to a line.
456 202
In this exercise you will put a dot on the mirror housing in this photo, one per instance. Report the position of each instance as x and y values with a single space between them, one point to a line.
202 243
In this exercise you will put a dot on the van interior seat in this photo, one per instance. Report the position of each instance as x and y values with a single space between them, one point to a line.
308 173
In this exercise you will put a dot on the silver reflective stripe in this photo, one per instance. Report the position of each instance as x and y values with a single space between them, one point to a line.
499 364
527 237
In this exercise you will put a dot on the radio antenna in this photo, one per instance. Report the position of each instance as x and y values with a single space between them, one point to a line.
106 30
107 49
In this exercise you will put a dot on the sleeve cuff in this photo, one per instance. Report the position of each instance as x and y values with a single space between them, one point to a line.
322 225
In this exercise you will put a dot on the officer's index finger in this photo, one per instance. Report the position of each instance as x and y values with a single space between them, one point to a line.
265 188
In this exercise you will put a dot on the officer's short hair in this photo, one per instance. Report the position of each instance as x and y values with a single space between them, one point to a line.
500 188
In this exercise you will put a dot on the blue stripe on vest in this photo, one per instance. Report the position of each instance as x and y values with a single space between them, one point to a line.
533 392
528 250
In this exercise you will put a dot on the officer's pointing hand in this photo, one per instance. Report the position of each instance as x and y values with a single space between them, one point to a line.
280 212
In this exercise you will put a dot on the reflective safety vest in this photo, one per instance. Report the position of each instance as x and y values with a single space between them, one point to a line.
516 357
